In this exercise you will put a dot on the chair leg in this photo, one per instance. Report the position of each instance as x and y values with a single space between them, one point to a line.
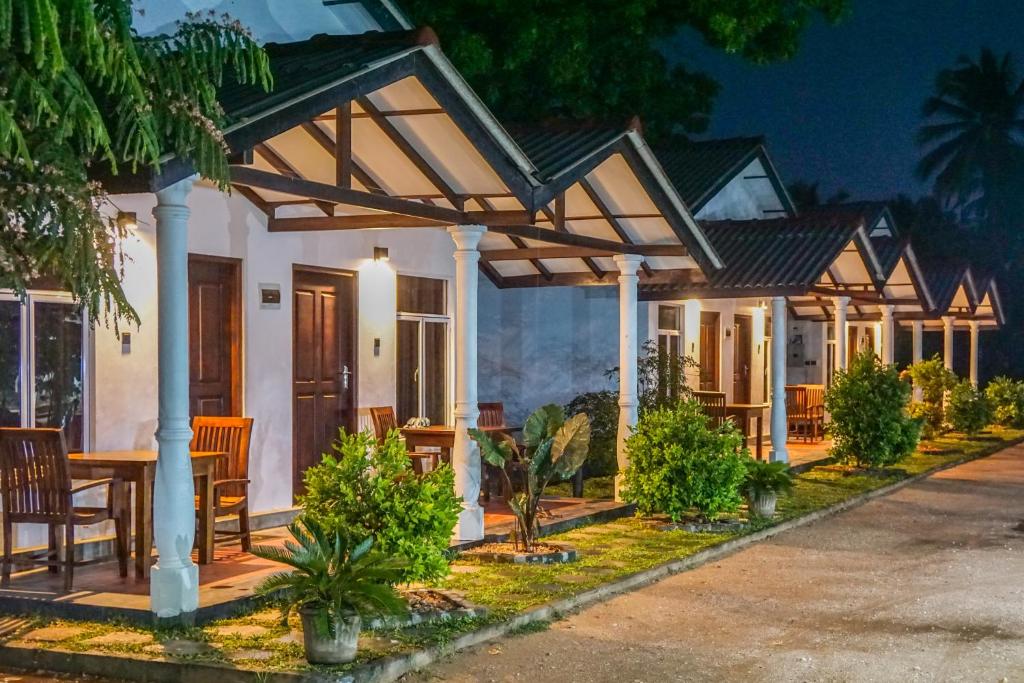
243 528
69 555
53 554
8 559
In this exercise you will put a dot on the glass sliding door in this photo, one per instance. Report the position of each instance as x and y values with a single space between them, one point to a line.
422 350
11 408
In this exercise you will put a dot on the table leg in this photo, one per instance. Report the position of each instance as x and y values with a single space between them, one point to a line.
760 434
204 536
143 485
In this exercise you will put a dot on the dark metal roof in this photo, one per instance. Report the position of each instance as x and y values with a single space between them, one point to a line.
557 147
889 250
700 169
943 279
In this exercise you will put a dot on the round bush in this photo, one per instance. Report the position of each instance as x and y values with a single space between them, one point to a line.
1006 397
967 408
678 462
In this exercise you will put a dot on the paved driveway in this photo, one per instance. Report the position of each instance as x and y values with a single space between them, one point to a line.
926 584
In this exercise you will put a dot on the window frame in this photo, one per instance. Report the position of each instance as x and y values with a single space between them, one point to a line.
421 319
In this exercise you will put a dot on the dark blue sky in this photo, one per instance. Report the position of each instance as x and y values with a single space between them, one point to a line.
844 111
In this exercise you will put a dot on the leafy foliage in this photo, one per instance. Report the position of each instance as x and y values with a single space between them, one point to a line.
1007 399
934 379
602 407
661 377
765 478
333 574
969 410
868 405
80 91
554 449
369 490
601 60
678 462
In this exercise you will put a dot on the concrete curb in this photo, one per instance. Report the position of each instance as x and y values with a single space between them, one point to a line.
391 668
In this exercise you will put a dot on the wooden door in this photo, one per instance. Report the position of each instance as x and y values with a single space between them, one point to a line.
742 338
324 364
852 336
708 351
215 335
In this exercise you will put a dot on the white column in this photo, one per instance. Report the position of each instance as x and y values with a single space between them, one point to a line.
780 427
174 582
840 303
888 335
465 452
917 354
947 340
975 329
628 264
691 340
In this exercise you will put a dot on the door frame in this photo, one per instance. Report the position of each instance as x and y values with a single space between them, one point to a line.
716 346
737 329
338 272
235 327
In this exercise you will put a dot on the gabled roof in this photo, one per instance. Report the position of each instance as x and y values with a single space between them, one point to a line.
945 278
555 148
888 248
700 169
988 305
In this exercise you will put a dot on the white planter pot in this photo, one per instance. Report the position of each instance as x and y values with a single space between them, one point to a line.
763 505
327 649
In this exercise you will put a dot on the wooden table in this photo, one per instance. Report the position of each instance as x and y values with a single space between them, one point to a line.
745 411
139 468
441 436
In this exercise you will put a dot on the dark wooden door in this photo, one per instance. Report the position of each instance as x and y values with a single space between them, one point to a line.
851 344
215 335
741 357
708 351
324 364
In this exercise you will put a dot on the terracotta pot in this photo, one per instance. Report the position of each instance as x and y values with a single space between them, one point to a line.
322 648
763 505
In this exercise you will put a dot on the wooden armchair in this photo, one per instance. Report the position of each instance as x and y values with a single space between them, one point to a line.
35 484
492 414
805 411
384 420
229 435
713 403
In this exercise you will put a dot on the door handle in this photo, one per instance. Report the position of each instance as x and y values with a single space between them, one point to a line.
345 374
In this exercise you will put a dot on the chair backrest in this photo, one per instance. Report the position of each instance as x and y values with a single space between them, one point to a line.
815 395
713 403
229 435
796 400
384 420
491 415
35 477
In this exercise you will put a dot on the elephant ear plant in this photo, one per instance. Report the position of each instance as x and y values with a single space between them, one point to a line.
554 449
336 581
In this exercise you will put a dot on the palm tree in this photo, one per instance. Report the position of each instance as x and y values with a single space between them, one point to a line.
973 138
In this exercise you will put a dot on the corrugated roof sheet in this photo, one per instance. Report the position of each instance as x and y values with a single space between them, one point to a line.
699 168
555 148
943 278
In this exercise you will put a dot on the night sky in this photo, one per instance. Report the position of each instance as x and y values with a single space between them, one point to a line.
845 110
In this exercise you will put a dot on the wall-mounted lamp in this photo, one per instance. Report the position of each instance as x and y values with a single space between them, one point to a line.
126 220
381 254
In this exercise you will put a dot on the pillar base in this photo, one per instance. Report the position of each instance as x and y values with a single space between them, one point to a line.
470 526
620 481
778 455
174 591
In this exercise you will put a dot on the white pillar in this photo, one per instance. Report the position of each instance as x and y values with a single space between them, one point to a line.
840 303
975 329
174 582
947 340
780 426
917 354
691 341
888 335
465 452
628 264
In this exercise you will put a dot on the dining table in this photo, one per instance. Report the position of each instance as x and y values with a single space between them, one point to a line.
743 412
138 468
443 437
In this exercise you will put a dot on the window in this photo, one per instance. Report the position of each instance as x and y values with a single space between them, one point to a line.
670 363
422 349
42 365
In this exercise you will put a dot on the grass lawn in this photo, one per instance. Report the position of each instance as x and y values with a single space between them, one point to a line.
609 551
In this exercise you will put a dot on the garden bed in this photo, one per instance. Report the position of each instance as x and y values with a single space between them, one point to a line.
542 553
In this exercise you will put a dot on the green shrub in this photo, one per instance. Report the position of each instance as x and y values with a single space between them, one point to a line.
934 379
678 461
868 406
602 407
369 489
1007 399
968 409
660 377
766 478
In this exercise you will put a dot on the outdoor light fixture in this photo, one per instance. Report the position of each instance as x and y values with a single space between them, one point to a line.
126 220
381 254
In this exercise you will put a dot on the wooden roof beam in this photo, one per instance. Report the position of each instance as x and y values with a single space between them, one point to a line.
607 214
344 171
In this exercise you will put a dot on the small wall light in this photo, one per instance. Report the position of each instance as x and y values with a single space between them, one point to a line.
381 254
126 220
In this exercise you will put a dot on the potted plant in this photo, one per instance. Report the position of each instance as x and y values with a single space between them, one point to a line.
763 484
554 447
336 582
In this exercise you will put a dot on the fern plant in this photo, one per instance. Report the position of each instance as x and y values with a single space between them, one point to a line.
82 95
333 575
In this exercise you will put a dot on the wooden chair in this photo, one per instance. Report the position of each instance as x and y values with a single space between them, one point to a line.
384 420
713 403
35 483
229 435
805 411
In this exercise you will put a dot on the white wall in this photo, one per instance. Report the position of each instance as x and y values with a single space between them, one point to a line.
750 195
